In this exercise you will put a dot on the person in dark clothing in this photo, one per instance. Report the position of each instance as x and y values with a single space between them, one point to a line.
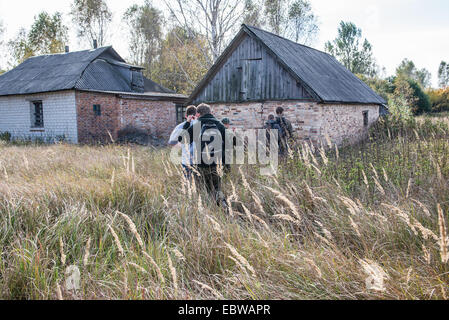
230 135
209 136
286 132
272 124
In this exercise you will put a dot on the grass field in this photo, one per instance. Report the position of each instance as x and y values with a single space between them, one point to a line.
362 222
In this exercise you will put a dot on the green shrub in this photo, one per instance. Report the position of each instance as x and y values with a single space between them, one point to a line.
439 99
422 103
5 136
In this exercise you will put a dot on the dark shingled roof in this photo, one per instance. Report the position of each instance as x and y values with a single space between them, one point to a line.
320 72
100 69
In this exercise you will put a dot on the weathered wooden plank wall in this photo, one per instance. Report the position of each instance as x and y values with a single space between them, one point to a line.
251 74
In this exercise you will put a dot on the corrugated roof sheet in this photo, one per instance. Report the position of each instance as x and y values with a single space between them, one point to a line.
327 77
48 72
101 69
151 86
101 75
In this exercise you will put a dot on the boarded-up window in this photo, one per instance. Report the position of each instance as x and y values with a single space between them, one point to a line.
365 118
97 110
37 114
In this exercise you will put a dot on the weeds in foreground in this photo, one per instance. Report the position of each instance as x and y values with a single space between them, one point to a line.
361 222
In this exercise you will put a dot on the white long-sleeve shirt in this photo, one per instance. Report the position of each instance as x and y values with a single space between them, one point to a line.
187 149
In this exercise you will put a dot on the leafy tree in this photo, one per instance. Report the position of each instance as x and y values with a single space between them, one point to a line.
399 108
408 70
351 51
419 100
175 69
20 48
302 21
276 16
383 87
424 78
293 19
439 98
145 34
47 35
253 14
401 100
443 74
92 18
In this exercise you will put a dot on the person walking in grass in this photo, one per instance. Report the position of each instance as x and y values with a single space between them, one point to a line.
270 125
176 138
286 132
209 135
230 135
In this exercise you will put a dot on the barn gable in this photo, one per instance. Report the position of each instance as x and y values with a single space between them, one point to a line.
248 72
261 66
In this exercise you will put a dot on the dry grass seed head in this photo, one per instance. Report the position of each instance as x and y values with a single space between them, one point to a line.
132 228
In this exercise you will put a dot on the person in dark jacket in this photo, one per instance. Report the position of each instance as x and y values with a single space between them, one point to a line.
272 124
209 136
286 132
231 134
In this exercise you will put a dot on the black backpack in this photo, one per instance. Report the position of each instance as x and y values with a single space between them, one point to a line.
210 132
284 127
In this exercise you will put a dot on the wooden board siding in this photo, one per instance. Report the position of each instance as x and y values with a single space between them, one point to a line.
250 73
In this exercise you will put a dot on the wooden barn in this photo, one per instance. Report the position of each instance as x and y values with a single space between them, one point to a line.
260 71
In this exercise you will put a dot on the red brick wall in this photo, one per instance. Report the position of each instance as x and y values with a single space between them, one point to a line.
157 118
92 128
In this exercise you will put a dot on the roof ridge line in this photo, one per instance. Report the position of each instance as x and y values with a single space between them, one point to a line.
276 35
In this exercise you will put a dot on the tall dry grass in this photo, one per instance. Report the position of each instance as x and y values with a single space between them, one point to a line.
362 222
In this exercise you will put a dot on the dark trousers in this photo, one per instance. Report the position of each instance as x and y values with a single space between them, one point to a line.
210 178
187 171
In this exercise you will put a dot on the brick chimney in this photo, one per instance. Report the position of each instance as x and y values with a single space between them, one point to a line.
95 44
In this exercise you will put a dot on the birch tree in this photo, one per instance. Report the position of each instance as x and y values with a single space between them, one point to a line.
353 52
47 35
217 20
145 34
443 74
92 19
292 19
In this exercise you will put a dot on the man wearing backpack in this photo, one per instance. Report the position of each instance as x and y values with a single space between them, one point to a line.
272 124
286 132
209 136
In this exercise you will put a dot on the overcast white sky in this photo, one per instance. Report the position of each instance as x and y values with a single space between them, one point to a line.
397 29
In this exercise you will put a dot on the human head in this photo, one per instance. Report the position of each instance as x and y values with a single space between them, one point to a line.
203 109
271 117
226 122
190 111
279 111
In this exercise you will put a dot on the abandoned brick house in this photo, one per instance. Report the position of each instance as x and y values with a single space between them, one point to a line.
260 71
83 97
